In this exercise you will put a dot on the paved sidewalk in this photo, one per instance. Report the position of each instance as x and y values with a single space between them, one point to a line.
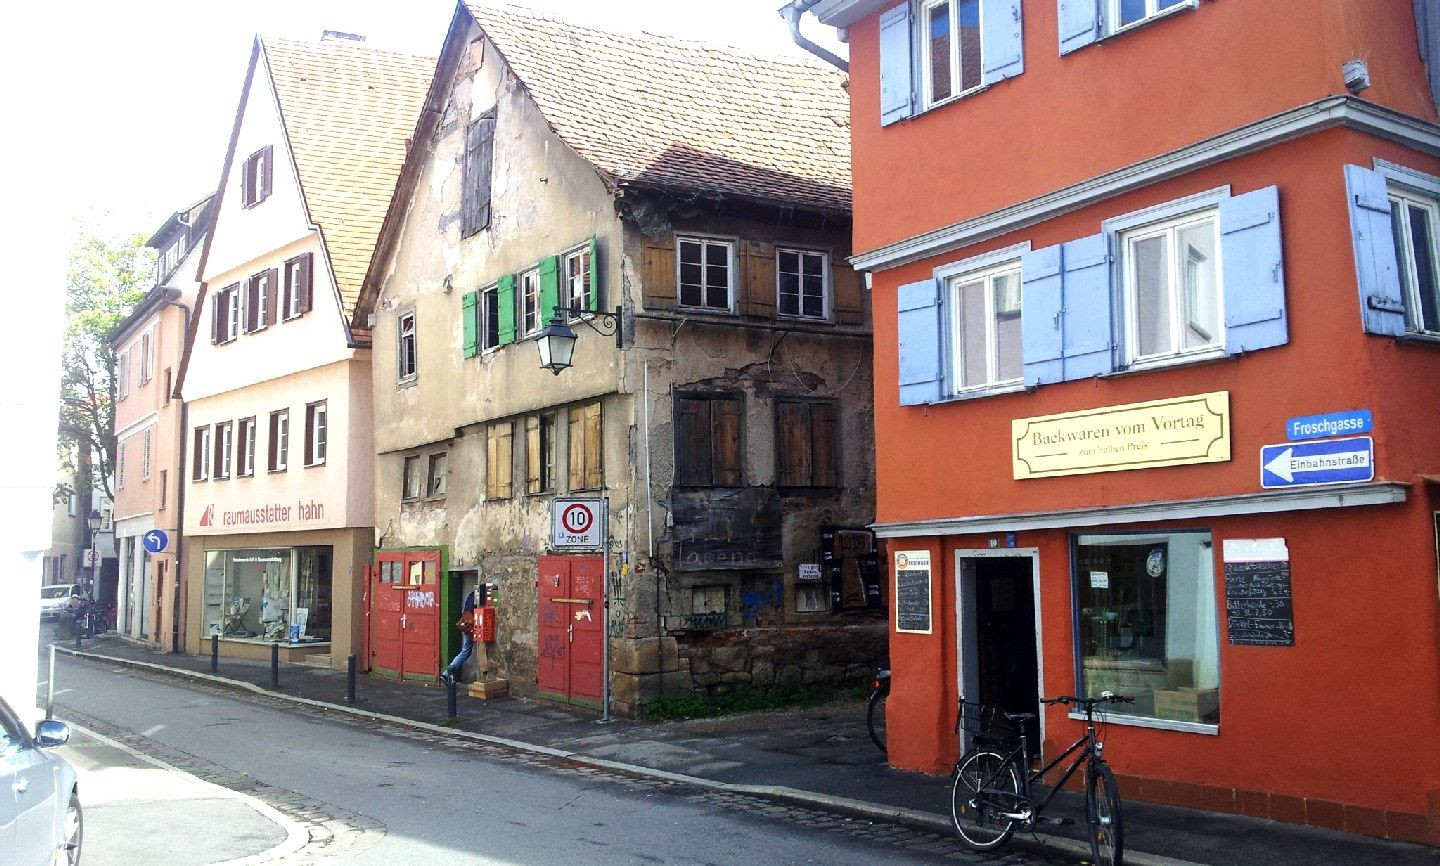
138 810
820 755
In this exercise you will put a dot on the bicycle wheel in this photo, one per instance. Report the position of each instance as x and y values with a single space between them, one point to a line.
875 719
1102 812
978 809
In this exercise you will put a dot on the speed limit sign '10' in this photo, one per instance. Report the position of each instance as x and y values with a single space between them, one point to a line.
576 523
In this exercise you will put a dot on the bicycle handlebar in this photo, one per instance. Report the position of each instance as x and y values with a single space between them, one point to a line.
1105 698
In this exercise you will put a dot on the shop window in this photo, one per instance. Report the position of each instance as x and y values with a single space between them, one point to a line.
708 439
807 439
1147 623
498 466
279 440
269 594
438 475
540 453
410 481
587 465
316 433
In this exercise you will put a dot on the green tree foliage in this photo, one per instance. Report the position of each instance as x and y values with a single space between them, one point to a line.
107 277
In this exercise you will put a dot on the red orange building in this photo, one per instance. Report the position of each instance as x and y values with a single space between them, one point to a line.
1157 382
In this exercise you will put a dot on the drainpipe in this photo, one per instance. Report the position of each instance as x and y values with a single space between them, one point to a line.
791 12
175 608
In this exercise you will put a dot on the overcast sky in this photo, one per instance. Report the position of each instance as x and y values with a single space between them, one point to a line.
151 86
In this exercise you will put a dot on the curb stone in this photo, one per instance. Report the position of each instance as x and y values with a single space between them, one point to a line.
914 818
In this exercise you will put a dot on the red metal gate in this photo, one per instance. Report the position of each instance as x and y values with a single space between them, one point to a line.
572 629
405 614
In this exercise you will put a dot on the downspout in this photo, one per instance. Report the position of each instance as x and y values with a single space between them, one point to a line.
791 12
175 607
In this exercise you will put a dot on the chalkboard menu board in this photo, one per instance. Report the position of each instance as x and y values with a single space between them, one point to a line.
912 591
1258 611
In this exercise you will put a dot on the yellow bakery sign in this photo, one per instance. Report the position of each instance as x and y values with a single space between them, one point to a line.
1170 432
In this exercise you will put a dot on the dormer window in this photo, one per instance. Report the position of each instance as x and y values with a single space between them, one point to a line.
255 177
170 259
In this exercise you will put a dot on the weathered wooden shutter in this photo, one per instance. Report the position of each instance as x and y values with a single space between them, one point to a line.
725 442
468 322
272 294
1079 24
577 448
693 466
1377 262
918 327
849 287
1042 316
825 436
1001 48
658 290
794 444
267 171
896 65
505 299
595 276
757 279
532 454
1087 301
549 289
1253 271
307 268
476 171
594 460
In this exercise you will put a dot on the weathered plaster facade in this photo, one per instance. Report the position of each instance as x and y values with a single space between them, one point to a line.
545 200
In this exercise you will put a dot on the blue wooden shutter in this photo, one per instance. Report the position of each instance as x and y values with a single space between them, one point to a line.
1427 26
1087 335
1254 271
1377 267
1001 48
1041 316
896 65
1079 24
920 346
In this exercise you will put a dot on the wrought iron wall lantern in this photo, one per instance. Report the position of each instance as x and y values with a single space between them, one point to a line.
557 341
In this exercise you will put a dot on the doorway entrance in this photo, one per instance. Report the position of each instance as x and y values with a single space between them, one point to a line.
999 630
570 666
405 615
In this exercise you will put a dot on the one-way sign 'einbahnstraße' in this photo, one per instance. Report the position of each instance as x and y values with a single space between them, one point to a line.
1333 461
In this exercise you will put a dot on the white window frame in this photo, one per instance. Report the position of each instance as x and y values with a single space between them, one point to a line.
417 461
523 297
403 334
484 319
571 298
317 431
226 430
231 297
294 269
246 469
927 83
432 489
1153 12
1168 227
1409 284
282 440
147 356
825 287
255 176
262 291
203 451
732 269
145 457
955 335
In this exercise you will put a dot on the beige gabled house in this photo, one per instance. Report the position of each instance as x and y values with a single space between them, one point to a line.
278 508
696 199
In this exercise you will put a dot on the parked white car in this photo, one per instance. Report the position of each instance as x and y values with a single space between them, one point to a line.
41 822
55 599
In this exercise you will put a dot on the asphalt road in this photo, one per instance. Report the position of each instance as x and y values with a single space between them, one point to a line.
399 798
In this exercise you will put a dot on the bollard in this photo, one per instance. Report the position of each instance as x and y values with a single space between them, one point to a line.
275 665
50 687
75 624
450 709
350 678
214 653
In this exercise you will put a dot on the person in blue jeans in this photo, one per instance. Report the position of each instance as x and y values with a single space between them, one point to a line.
466 624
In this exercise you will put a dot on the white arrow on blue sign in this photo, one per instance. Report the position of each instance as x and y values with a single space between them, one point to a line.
155 541
1333 461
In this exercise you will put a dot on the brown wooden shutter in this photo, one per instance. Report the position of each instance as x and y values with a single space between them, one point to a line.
824 423
693 466
658 289
273 441
267 166
757 271
272 284
248 314
215 317
307 267
247 190
794 444
532 454
725 442
507 459
594 459
849 286
309 435
577 448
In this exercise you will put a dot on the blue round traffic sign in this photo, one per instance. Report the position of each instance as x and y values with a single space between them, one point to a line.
155 540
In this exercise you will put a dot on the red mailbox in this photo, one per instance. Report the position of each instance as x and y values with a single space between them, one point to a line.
484 624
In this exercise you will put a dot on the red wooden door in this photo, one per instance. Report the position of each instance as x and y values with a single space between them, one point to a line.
572 628
405 615
387 601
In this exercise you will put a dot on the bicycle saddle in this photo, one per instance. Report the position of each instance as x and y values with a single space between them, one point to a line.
1016 718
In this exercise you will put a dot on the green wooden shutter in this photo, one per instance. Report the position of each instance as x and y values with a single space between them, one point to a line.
505 296
549 289
594 277
468 310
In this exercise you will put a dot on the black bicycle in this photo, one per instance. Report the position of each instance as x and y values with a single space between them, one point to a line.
991 795
875 707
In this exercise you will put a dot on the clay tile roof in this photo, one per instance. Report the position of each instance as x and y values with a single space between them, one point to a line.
658 111
348 110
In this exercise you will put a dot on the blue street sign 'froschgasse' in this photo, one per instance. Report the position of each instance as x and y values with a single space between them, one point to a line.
1332 461
1330 424
155 540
